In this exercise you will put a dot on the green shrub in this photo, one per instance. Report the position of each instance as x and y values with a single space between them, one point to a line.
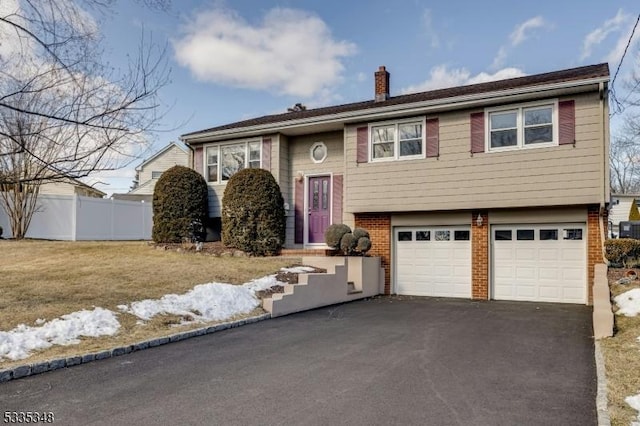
622 251
360 232
334 233
348 243
180 198
634 214
253 216
364 244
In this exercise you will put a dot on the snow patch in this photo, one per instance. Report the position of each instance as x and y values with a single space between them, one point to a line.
22 340
298 269
628 302
634 402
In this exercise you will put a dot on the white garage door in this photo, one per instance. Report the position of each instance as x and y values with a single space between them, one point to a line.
545 263
433 261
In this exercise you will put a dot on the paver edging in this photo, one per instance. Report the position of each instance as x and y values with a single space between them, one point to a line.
601 395
55 364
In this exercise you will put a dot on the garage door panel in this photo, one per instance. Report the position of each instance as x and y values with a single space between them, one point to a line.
433 268
550 269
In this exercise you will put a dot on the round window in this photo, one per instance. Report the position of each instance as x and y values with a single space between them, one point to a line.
318 152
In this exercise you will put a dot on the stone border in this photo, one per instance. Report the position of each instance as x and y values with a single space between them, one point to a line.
42 367
601 396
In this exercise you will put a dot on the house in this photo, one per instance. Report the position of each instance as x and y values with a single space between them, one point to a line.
496 190
70 186
619 211
148 172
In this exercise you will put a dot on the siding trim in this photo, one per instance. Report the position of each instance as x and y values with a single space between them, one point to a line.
266 154
477 132
336 199
299 212
567 122
362 144
433 137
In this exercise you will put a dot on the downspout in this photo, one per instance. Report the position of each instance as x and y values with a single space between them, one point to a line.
191 153
605 147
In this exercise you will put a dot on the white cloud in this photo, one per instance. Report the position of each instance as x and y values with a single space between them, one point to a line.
597 36
290 51
427 21
616 53
519 35
441 76
523 30
361 77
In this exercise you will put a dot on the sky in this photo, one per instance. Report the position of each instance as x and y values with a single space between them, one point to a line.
233 60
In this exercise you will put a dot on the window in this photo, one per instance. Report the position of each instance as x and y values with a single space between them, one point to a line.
223 161
461 235
318 152
155 175
525 235
526 126
502 235
572 234
405 236
393 141
423 235
548 234
443 235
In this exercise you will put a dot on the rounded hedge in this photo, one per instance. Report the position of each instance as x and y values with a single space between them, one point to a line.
253 216
334 233
180 200
364 244
348 243
360 232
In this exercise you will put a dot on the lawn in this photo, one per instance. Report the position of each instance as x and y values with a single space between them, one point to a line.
47 279
622 358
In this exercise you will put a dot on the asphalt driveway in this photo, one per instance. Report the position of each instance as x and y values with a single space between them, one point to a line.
381 361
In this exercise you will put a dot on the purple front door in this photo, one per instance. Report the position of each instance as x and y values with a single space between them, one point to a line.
319 207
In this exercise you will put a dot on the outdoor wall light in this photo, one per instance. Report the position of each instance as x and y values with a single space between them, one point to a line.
479 220
300 176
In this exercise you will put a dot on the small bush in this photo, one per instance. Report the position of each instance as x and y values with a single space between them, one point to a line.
622 251
334 233
253 216
180 198
359 233
364 244
348 243
634 214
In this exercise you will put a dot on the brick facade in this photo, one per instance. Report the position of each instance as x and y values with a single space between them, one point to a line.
480 256
379 227
594 244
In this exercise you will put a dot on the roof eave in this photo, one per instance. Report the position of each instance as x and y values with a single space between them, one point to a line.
464 101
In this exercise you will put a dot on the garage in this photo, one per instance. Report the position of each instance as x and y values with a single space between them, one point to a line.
433 261
540 263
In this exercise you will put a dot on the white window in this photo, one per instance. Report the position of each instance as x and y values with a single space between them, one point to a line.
396 141
155 174
318 152
525 126
223 161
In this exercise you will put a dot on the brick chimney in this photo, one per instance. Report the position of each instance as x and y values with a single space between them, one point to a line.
382 84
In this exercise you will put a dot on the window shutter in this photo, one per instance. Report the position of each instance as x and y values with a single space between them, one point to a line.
299 212
266 154
433 137
337 188
198 160
567 122
362 144
477 132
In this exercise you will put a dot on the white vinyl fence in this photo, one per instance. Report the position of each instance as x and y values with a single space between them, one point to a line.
72 217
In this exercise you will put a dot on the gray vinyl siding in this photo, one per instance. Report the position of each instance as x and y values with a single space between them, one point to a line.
300 161
216 190
173 157
560 175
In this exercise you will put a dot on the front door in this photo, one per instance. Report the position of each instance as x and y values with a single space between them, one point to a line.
319 208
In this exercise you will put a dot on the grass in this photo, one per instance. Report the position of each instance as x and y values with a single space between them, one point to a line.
622 358
47 279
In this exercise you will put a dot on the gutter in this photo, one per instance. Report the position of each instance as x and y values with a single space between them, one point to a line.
380 112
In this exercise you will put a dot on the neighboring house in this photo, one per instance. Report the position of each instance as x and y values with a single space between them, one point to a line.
70 186
496 190
148 172
619 211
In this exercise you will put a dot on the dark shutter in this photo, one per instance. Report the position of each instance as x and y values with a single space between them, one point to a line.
198 158
362 144
477 132
266 154
433 137
299 212
567 122
336 213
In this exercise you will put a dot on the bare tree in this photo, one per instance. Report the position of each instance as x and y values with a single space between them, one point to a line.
63 112
624 161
